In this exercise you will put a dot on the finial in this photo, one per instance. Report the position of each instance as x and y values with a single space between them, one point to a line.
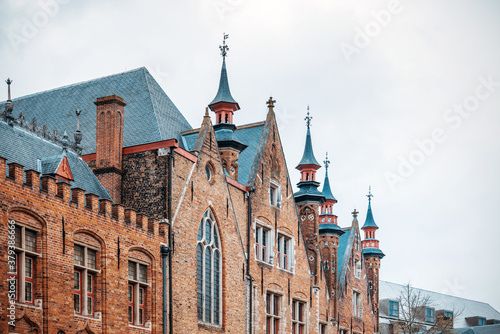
224 48
369 194
308 118
8 81
326 162
65 141
9 106
270 102
78 133
206 112
355 213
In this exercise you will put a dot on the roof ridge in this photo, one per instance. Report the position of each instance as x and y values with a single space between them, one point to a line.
76 84
151 98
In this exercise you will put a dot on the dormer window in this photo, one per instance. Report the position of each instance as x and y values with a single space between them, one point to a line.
357 268
275 194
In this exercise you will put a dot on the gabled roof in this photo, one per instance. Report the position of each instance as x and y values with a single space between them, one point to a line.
223 94
327 191
308 156
149 115
463 308
22 146
369 221
249 134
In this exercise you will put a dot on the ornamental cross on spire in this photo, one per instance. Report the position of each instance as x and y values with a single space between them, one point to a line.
326 162
369 194
355 213
224 48
308 118
270 102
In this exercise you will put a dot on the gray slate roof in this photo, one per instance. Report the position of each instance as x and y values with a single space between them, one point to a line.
21 146
440 301
488 329
149 116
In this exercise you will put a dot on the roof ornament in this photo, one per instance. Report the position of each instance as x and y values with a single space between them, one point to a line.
78 133
224 48
9 106
369 194
65 142
308 118
355 213
270 103
326 162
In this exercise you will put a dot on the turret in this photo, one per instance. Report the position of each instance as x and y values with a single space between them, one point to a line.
224 106
372 255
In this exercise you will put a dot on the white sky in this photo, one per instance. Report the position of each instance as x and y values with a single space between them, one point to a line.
439 226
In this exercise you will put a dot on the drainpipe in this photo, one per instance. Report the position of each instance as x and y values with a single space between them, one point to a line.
249 213
164 253
170 239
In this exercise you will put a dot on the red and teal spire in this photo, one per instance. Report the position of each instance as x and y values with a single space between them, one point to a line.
308 166
370 244
327 215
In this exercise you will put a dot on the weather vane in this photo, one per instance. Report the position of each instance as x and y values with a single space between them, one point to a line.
326 162
308 118
369 194
224 48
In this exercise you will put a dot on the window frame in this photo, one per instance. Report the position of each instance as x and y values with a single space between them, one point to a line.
430 314
22 253
357 304
264 244
275 197
285 252
273 312
299 317
393 312
137 285
357 268
85 271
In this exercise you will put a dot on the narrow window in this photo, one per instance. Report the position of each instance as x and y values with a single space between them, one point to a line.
84 280
298 317
357 306
393 309
262 243
284 252
25 259
137 289
272 313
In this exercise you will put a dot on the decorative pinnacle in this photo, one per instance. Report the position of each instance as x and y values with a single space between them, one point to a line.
8 81
355 213
270 102
326 162
369 194
224 48
65 141
308 118
78 112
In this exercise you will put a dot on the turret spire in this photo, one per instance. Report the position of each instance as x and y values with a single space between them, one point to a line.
308 156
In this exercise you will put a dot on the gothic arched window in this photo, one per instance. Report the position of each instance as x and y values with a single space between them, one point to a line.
209 268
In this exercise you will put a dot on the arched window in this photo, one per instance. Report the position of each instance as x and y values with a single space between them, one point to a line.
209 265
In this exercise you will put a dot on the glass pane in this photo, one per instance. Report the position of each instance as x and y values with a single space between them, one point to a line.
216 238
276 305
89 305
77 280
79 255
141 316
30 242
132 270
268 304
141 296
293 310
143 273
91 258
90 283
216 287
199 279
264 237
130 315
200 231
208 286
208 231
301 311
18 236
130 294
76 301
28 267
28 290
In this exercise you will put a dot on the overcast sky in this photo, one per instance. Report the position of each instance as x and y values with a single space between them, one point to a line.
404 95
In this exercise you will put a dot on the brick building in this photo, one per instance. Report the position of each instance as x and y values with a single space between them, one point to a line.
89 218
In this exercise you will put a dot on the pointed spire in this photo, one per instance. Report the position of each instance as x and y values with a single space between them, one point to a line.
369 221
308 156
327 191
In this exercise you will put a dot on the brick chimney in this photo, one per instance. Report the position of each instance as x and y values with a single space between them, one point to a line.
109 144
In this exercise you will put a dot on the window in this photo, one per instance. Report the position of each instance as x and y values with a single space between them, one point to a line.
429 315
285 250
481 321
263 244
137 287
357 306
275 194
298 317
208 274
322 328
393 309
357 268
25 258
272 313
448 314
84 280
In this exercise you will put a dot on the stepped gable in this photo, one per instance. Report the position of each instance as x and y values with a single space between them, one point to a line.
26 148
150 115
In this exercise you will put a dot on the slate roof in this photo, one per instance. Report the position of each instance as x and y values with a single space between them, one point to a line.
327 191
369 221
308 156
21 146
330 228
440 301
249 135
343 247
223 94
373 251
149 115
488 329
